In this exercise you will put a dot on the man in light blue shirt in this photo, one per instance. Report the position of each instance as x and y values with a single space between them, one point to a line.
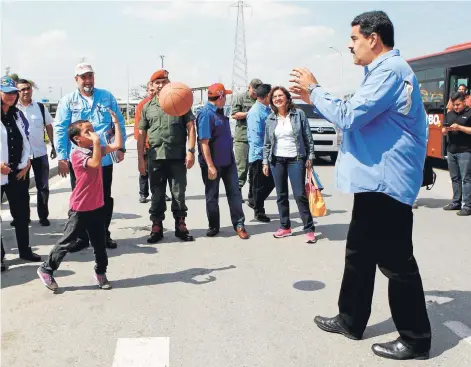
91 104
381 161
261 185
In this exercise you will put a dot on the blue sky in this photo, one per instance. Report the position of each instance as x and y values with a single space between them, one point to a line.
44 40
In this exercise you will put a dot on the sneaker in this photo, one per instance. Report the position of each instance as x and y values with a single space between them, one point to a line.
102 281
310 237
250 204
47 279
211 232
262 218
282 232
452 206
44 222
464 212
143 199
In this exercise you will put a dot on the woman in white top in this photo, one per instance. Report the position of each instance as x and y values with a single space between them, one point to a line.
15 163
288 150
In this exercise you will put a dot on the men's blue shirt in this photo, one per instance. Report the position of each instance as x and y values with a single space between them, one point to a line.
256 119
74 107
212 124
384 129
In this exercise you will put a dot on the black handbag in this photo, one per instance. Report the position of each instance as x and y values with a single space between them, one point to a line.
429 176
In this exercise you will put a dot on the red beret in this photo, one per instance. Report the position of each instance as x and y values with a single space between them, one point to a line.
159 74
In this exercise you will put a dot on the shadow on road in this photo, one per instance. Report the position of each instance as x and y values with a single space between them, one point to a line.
456 306
184 276
432 203
308 285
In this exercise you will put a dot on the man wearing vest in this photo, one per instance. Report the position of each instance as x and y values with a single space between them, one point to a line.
39 120
167 159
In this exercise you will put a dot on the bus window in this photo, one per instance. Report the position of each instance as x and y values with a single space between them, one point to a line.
432 85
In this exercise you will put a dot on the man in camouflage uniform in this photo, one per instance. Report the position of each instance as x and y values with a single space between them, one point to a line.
241 104
167 159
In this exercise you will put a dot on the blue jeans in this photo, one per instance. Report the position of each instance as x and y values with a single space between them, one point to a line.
228 174
295 169
459 165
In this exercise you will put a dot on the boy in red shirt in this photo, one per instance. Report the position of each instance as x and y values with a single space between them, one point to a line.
86 202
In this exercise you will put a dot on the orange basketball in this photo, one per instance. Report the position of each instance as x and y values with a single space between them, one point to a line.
176 99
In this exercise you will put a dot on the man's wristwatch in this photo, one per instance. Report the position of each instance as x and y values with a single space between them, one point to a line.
192 150
312 87
122 150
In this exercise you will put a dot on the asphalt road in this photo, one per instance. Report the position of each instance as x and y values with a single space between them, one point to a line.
222 302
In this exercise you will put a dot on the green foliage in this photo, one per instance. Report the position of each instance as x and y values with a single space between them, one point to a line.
16 77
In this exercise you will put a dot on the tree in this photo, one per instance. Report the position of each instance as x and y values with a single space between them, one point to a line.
15 77
138 93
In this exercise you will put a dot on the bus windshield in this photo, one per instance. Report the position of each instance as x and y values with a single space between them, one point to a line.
432 87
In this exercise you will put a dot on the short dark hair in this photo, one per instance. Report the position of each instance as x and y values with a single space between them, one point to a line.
376 22
289 104
23 81
263 90
457 96
74 129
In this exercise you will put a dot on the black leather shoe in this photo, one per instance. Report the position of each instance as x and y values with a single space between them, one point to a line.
44 222
181 231
78 245
143 199
250 204
464 212
111 243
31 257
211 232
333 325
262 218
452 207
156 234
397 350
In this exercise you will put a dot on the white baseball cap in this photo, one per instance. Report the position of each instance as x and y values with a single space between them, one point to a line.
83 68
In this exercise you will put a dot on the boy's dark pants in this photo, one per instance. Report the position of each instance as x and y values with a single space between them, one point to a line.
92 222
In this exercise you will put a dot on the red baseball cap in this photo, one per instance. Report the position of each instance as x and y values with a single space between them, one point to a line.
159 74
217 90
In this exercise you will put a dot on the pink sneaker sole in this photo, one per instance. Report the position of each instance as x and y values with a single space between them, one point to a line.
283 235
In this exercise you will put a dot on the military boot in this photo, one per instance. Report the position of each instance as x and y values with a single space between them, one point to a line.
157 233
181 231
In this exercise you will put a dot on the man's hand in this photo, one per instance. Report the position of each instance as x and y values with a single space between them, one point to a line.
454 127
5 169
303 78
142 167
189 160
53 153
63 165
93 136
308 164
265 169
212 172
22 174
119 156
114 118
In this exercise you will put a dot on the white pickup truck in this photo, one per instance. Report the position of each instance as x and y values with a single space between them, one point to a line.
326 136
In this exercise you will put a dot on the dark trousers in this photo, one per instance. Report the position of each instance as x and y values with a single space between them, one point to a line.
93 223
109 201
17 192
40 166
228 175
250 178
161 171
385 241
295 170
262 186
459 165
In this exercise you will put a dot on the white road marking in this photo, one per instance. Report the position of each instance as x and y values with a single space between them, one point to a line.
460 329
430 300
142 352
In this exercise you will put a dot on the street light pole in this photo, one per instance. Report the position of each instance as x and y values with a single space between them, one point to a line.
127 99
341 66
162 58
